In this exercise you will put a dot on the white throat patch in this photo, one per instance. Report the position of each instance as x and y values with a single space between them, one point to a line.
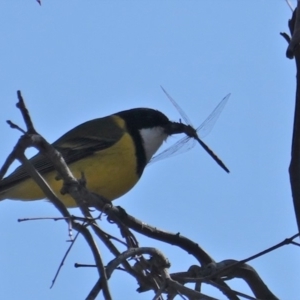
153 139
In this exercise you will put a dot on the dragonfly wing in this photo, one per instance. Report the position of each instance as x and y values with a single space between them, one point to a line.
205 128
179 109
181 146
187 143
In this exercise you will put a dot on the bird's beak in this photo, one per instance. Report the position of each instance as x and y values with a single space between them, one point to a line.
176 128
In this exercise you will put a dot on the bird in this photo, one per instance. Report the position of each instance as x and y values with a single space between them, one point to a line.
112 153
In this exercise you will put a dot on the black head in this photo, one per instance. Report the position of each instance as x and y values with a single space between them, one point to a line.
140 118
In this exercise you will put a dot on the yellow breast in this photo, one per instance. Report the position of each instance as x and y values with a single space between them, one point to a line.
109 173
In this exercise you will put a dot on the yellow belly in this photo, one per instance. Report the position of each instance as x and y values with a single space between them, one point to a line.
110 173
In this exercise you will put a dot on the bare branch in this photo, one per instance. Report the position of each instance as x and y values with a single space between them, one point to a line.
25 114
32 139
295 40
155 233
160 263
294 168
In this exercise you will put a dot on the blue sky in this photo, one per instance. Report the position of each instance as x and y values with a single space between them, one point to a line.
79 60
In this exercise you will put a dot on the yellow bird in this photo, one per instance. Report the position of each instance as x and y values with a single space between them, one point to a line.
112 152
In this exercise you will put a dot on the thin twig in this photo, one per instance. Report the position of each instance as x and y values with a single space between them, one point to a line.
226 269
213 283
289 5
158 294
15 126
64 258
25 114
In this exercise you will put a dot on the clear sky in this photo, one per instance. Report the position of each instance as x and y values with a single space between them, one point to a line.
79 60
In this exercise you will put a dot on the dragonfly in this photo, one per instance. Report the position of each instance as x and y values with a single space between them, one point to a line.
190 140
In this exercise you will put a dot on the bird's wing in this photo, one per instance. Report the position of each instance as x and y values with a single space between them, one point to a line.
80 142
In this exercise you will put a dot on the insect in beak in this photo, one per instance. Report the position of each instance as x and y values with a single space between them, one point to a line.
176 128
